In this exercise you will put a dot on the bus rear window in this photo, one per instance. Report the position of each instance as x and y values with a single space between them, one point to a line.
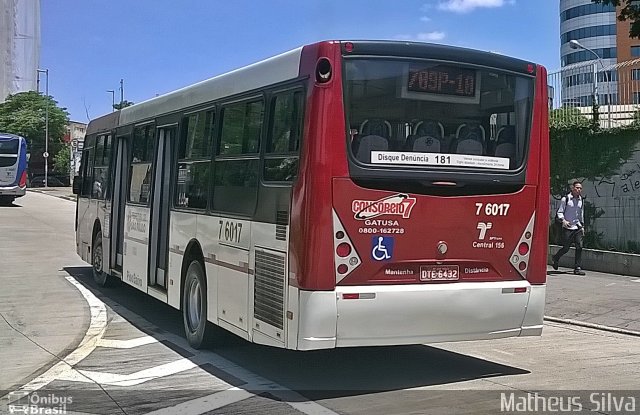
8 152
9 147
431 115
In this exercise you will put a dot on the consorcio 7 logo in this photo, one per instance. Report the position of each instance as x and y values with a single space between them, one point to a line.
400 205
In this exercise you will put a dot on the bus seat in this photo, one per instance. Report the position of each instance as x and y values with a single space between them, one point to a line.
374 136
377 127
427 137
506 143
469 139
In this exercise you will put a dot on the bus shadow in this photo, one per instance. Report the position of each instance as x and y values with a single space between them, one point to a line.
316 375
13 204
327 374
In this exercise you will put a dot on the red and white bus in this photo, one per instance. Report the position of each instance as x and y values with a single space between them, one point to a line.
341 194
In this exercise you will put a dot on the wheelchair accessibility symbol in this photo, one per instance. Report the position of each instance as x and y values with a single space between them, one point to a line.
382 248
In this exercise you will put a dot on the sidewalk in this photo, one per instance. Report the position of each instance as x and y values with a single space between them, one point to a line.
598 298
61 192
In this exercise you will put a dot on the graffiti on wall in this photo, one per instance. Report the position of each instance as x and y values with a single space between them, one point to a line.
626 183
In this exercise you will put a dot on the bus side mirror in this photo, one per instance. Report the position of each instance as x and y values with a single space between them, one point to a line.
77 185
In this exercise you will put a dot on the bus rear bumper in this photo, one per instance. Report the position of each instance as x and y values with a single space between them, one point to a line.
418 314
16 191
534 316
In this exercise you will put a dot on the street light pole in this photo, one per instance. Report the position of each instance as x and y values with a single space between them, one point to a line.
113 99
574 44
46 126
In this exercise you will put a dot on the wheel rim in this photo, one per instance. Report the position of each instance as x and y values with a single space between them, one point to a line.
194 301
97 259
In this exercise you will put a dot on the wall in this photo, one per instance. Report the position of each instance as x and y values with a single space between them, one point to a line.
601 261
615 205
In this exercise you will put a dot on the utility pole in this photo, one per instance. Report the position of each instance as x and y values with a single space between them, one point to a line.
45 155
121 92
574 44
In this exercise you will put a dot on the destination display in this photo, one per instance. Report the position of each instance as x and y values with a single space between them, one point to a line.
444 80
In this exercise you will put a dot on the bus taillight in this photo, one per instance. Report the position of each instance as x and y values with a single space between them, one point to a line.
523 249
520 255
343 250
23 179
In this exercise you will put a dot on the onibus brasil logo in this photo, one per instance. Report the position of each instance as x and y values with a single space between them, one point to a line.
400 204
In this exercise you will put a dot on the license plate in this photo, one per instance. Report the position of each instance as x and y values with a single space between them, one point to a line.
439 273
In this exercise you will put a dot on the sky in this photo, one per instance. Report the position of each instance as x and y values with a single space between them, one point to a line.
157 46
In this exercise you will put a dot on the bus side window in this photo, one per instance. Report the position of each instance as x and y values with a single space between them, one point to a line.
237 164
100 169
140 168
194 160
85 172
283 141
87 165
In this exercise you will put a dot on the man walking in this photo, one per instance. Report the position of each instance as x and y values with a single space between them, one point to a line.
572 215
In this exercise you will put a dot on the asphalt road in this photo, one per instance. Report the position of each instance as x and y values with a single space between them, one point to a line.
37 241
119 351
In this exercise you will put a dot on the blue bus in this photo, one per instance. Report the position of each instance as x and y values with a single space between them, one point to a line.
13 167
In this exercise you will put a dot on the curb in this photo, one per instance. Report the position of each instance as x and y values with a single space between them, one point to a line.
593 326
608 262
49 193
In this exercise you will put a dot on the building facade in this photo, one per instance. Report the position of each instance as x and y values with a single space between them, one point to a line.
19 46
595 26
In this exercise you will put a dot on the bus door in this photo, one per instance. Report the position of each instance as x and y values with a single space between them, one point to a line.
101 192
159 236
121 164
84 217
137 213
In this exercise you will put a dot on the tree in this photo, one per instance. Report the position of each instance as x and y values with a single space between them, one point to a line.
567 117
62 160
123 104
636 118
24 114
630 11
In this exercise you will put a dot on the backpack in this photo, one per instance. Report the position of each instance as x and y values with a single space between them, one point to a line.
558 220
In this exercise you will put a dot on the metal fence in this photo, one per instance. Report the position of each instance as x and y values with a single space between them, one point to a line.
615 90
608 167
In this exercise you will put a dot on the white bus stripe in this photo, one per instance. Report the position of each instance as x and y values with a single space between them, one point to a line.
136 378
126 344
206 403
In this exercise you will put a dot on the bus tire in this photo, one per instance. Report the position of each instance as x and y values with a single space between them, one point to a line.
97 261
194 306
6 200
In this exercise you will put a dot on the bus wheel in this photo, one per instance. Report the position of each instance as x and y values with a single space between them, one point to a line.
6 200
194 306
99 276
